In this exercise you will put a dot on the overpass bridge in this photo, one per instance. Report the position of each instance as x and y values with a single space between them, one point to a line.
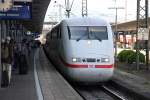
127 26
126 34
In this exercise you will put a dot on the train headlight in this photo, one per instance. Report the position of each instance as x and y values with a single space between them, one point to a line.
104 59
76 60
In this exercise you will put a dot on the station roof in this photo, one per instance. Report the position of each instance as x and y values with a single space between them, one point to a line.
127 26
39 8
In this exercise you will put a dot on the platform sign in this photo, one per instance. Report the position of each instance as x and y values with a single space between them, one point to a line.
143 33
17 12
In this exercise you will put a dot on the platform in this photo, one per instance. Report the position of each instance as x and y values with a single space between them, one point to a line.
42 82
22 87
53 85
134 83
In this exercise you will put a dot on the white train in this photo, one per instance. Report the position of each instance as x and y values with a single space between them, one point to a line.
82 48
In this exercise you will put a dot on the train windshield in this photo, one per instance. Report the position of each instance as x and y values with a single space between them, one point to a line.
88 33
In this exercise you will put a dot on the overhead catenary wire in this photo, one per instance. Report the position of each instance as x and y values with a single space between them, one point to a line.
68 7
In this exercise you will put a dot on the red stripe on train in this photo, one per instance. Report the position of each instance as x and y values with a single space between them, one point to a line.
104 66
88 66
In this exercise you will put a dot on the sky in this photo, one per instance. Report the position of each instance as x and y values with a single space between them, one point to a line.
96 8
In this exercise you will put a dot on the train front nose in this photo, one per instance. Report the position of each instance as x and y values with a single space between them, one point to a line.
90 74
90 65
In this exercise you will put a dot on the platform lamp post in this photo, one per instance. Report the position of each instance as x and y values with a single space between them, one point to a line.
116 34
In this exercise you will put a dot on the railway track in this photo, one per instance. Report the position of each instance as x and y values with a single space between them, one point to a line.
113 94
101 92
107 91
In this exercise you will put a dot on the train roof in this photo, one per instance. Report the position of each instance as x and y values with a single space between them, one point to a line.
85 21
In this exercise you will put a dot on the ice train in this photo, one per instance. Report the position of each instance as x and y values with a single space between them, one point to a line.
82 49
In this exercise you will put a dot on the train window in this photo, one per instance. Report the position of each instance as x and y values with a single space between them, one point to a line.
77 32
88 32
98 32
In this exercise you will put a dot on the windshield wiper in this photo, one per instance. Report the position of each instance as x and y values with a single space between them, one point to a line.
81 37
96 37
69 32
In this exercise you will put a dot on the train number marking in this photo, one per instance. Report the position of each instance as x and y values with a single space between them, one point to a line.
91 66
